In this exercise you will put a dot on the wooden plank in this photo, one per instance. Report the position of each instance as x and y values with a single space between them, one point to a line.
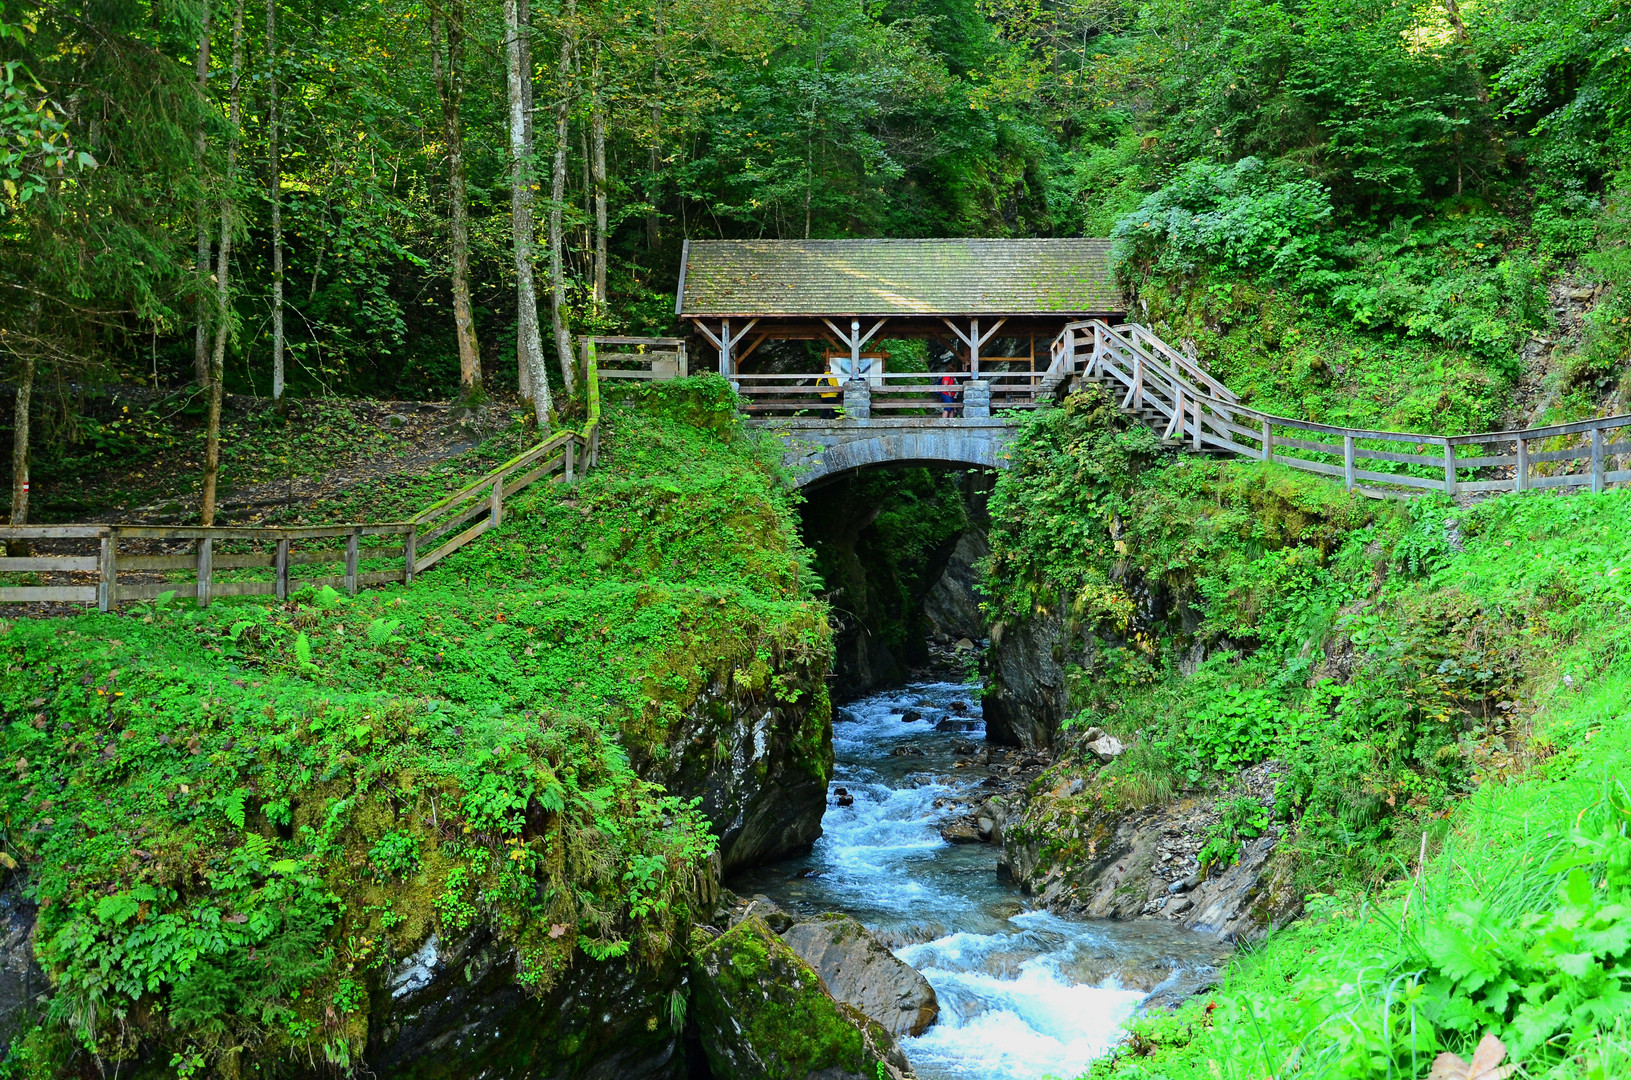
41 594
1309 466
243 588
378 577
206 549
1597 468
51 532
1565 480
1485 485
108 571
473 510
1430 484
1521 472
455 544
526 480
61 563
186 562
1573 453
486 481
280 572
351 565
410 549
1485 462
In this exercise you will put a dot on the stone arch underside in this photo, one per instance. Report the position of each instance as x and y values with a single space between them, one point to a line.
814 464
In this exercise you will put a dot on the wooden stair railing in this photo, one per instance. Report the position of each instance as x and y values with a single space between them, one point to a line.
1170 392
283 550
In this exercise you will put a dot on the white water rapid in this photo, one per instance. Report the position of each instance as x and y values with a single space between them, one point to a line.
1023 994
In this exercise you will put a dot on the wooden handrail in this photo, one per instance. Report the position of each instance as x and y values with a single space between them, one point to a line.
558 451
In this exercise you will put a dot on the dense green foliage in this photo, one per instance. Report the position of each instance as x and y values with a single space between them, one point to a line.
1517 924
1423 676
321 783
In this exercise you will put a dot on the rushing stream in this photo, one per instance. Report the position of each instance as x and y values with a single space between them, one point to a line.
1023 994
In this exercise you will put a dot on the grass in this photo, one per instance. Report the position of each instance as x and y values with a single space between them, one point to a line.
324 782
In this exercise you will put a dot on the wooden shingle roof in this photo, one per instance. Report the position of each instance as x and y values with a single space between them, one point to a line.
898 277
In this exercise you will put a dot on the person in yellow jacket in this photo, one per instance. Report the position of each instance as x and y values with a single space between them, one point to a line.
829 395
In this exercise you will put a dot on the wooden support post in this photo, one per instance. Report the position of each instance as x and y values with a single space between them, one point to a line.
1196 406
594 447
974 349
1598 475
727 367
1521 478
1348 461
496 510
1138 380
410 554
569 456
1449 467
1268 442
1175 426
206 553
280 568
108 572
351 561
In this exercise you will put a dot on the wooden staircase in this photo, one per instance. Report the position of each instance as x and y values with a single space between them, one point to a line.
1170 393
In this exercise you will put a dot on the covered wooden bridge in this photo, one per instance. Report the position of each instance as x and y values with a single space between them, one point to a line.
993 307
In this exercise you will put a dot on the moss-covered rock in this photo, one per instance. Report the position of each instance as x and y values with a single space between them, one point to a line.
763 1014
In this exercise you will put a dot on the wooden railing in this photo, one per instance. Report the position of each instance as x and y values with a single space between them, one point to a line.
275 561
891 391
1186 404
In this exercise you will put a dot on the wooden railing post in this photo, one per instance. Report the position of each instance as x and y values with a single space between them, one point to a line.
1268 441
351 561
108 576
1348 461
1521 479
496 513
1598 474
569 452
1196 445
410 545
280 568
1449 467
206 553
1175 426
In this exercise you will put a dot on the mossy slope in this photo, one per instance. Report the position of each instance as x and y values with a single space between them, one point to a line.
235 820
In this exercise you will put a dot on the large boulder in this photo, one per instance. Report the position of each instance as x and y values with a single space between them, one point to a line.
858 970
457 1009
952 606
762 1013
24 989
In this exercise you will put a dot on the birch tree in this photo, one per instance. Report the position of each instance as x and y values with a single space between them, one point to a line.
276 194
223 294
529 347
450 92
557 196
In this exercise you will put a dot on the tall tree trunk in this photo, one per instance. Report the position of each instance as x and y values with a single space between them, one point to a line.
450 89
597 176
277 201
201 332
19 446
529 347
223 297
563 115
653 234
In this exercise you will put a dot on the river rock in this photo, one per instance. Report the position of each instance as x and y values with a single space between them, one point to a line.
457 1009
961 831
1078 856
24 989
1026 697
858 970
758 762
1106 748
952 606
762 1013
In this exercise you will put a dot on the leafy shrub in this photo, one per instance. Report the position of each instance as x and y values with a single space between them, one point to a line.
1238 820
1245 218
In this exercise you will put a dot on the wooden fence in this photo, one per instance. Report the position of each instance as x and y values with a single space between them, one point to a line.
275 561
1171 392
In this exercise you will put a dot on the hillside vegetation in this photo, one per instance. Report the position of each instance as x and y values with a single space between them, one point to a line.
1428 680
233 817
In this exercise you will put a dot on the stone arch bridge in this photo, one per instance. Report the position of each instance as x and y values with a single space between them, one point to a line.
820 450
